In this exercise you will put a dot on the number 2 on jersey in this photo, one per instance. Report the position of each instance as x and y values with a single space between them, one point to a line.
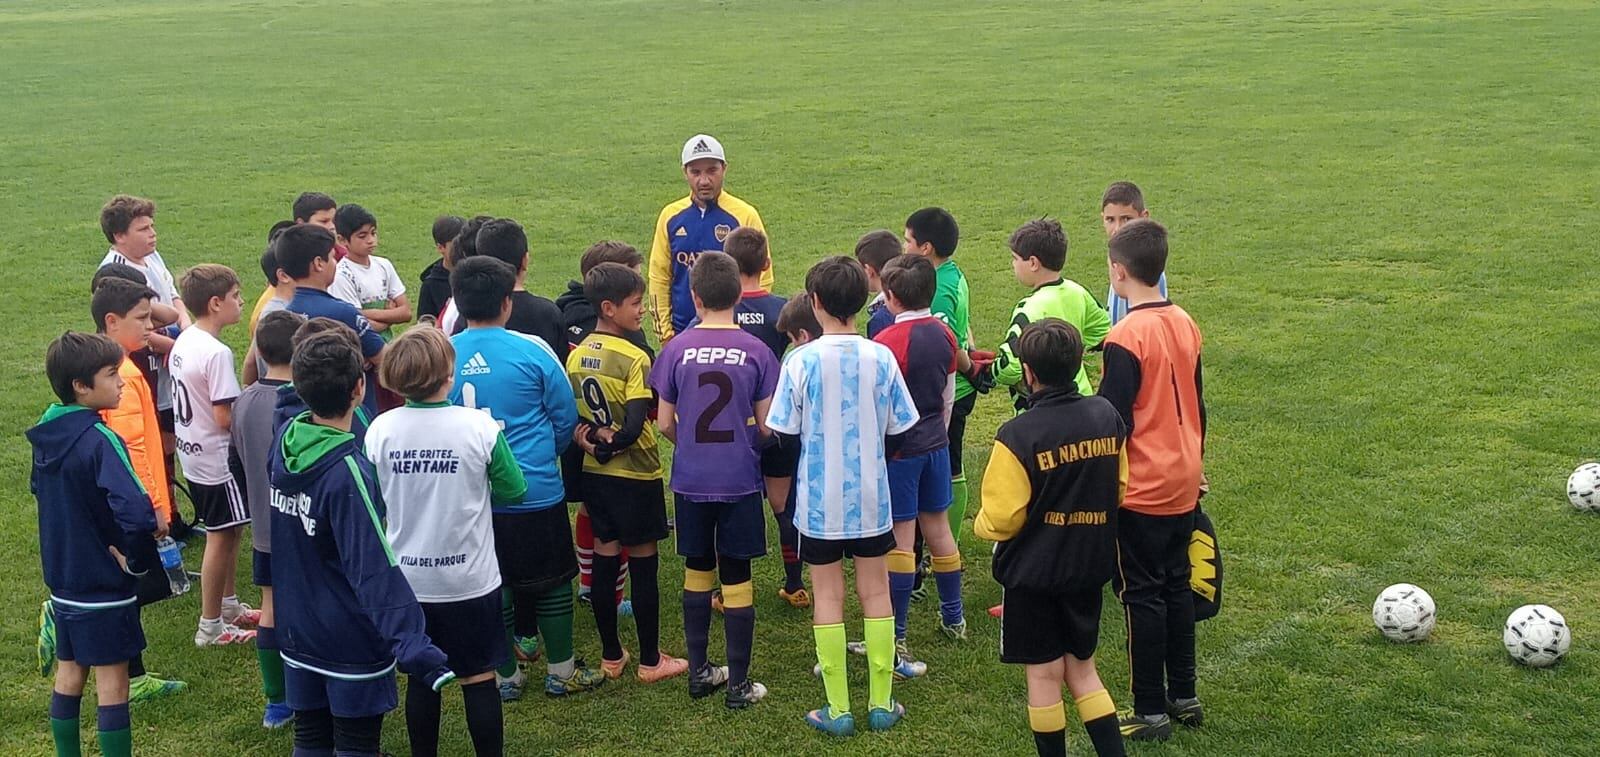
703 433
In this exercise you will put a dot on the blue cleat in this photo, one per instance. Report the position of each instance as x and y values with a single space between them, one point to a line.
882 720
834 725
277 715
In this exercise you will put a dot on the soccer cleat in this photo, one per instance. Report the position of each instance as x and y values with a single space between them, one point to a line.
883 719
613 668
226 634
46 647
582 679
799 598
919 592
583 597
856 647
705 681
998 611
1145 727
1187 712
277 715
511 688
716 601
907 667
668 667
834 725
148 687
957 631
744 694
527 648
625 608
241 615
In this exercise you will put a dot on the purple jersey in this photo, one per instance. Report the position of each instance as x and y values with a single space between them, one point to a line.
715 376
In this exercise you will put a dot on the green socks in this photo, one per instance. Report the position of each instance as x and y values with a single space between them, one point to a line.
880 663
116 732
830 655
508 668
271 664
958 504
64 723
555 622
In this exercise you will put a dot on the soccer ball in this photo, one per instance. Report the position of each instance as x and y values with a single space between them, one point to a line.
1537 635
1583 487
1404 613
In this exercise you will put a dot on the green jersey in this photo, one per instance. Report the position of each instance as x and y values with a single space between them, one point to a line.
950 306
1064 299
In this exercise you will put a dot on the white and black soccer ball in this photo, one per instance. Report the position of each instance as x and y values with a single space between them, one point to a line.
1537 635
1583 487
1404 612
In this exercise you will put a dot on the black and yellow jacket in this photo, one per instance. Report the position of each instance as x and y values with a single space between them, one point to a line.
1050 494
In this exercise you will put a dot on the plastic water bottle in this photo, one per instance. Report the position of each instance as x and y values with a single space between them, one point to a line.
172 561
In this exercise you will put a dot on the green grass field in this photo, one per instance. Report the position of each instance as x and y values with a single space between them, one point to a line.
1383 218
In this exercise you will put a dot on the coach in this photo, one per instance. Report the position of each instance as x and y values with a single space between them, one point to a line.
695 224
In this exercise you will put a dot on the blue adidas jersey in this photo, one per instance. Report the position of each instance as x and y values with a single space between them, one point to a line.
683 231
518 381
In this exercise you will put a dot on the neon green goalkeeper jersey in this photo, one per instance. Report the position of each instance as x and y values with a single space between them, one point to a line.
950 305
1064 299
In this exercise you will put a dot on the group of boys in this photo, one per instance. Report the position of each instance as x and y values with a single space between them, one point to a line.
433 538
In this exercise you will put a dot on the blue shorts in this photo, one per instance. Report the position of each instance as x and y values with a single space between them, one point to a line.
310 690
261 567
471 633
731 529
104 636
920 484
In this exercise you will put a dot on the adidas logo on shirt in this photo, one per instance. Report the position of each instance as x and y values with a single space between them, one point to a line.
681 232
476 365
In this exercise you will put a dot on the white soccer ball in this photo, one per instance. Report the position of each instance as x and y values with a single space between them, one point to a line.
1537 635
1583 487
1404 613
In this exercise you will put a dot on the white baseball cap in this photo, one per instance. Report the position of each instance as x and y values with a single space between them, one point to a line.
702 146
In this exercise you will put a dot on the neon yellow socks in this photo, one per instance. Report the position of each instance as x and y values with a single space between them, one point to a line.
880 662
830 655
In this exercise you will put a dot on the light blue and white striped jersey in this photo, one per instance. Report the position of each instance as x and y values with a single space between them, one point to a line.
841 395
1118 306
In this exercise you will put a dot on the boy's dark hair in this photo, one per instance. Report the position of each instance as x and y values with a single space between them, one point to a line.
326 371
1053 350
503 239
611 282
76 356
118 214
299 246
121 271
445 228
269 265
1042 239
417 364
838 284
277 230
118 296
714 278
911 279
609 251
875 248
1141 247
275 336
349 219
203 282
309 203
480 286
747 245
1123 193
321 325
797 315
937 227
466 241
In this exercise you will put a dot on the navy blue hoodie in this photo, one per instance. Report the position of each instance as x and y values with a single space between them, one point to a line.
344 609
89 500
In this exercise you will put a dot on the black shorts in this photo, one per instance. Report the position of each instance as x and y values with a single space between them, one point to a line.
1040 626
958 430
625 510
736 529
165 419
780 461
534 549
260 567
219 506
829 551
470 632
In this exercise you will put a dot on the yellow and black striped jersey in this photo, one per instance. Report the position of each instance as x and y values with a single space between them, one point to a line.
607 372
